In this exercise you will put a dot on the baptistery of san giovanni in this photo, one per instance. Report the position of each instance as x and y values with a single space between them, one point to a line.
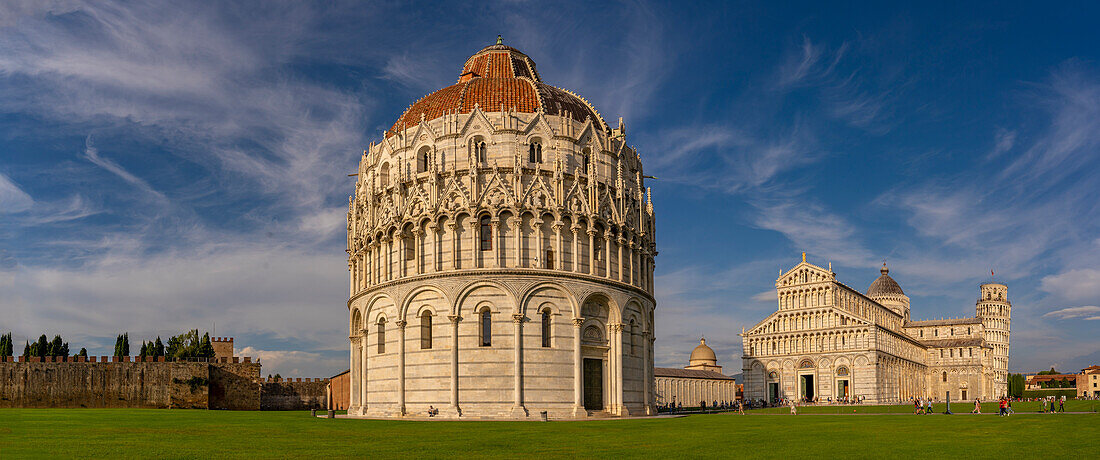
501 248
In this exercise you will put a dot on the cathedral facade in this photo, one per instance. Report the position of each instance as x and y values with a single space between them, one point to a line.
827 340
501 252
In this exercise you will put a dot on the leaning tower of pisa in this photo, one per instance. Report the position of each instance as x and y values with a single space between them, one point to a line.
995 311
501 253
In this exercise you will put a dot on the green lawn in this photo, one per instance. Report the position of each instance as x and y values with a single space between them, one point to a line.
124 433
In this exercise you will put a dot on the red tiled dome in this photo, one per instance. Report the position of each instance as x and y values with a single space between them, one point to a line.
498 77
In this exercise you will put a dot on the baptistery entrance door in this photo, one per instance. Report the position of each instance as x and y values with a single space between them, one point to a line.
593 384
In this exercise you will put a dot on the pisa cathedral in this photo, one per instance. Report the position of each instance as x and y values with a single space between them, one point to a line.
827 340
501 249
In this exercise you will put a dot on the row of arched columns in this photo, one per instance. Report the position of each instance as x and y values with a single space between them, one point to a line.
811 342
420 249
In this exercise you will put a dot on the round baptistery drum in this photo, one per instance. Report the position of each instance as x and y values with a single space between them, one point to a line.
501 247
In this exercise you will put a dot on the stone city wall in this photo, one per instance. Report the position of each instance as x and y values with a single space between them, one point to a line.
118 382
293 394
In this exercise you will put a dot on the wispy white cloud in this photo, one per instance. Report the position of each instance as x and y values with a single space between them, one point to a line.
1073 284
1088 312
12 198
92 155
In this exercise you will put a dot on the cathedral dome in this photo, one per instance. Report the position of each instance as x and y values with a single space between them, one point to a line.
703 354
498 78
884 285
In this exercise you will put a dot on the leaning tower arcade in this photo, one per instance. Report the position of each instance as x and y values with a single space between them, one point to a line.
995 311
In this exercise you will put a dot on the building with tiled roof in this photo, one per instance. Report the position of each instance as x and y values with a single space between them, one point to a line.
500 243
827 340
701 380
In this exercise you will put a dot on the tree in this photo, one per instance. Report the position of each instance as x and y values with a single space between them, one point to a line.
83 352
1016 385
122 344
43 347
27 349
144 349
6 345
158 348
206 350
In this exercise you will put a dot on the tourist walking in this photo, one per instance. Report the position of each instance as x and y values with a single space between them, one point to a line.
1062 404
793 410
740 407
928 410
916 406
977 407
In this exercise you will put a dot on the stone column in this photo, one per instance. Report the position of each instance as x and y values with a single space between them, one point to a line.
607 249
363 372
498 243
578 370
591 252
475 246
622 261
387 243
454 410
401 366
575 256
559 245
353 383
455 254
617 370
351 280
539 250
418 240
646 380
517 406
436 233
517 229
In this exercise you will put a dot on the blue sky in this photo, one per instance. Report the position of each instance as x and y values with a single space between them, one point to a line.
177 165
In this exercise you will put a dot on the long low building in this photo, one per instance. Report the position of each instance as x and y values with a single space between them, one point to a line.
701 380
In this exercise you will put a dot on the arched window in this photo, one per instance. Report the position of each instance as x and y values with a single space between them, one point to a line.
410 246
586 156
426 330
384 175
546 328
534 154
550 258
422 159
486 323
486 234
945 376
381 335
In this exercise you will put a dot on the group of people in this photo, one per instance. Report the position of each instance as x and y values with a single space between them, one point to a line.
922 406
1005 407
674 407
1047 404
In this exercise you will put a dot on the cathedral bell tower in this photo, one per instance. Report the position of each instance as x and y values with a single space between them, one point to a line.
995 311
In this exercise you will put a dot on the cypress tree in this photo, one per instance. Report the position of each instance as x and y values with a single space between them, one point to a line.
144 349
6 345
207 349
158 348
83 352
126 344
27 349
54 349
43 346
118 345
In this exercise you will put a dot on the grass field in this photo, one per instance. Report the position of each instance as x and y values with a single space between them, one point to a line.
126 433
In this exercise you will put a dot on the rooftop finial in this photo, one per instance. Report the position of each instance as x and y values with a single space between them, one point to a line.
500 41
803 256
884 270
